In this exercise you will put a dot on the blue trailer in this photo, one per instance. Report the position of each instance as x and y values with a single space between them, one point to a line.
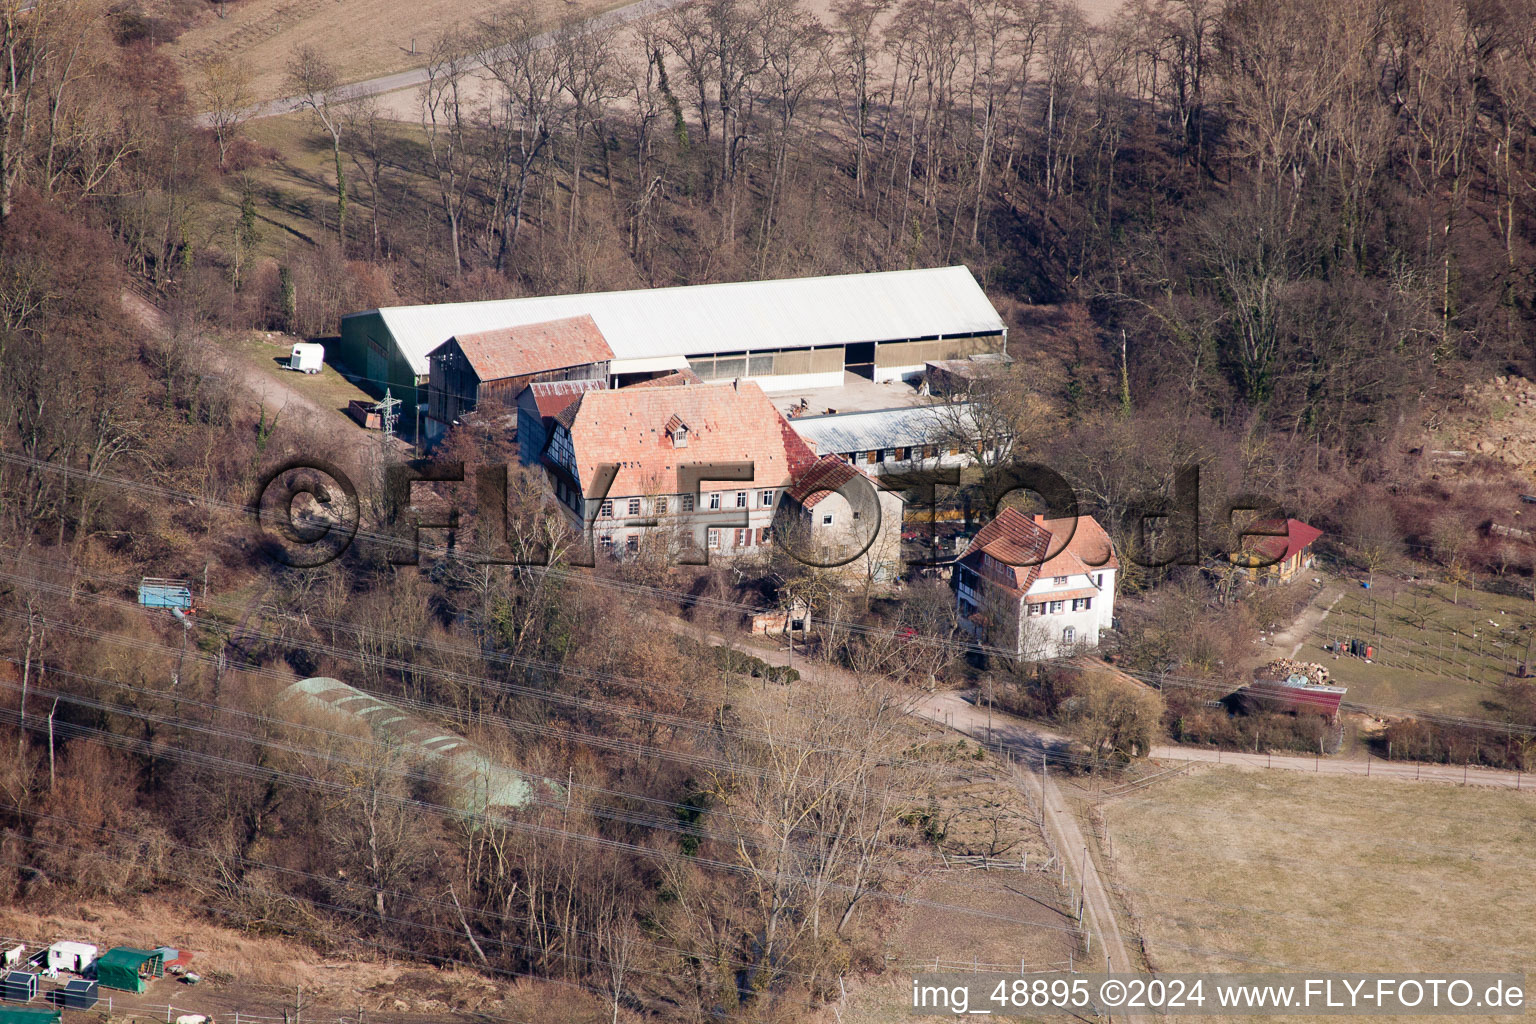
157 593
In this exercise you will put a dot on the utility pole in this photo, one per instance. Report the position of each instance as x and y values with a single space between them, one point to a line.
1082 884
51 712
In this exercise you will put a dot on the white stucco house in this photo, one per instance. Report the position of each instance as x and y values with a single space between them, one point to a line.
1043 588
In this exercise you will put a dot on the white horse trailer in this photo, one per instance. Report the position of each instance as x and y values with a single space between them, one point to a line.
306 357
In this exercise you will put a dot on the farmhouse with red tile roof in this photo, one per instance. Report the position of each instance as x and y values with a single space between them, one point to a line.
626 461
1038 587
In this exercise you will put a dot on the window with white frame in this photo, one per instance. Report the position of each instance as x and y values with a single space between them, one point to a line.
1059 581
714 537
765 499
1069 634
1082 604
714 499
605 509
1037 609
741 499
1057 607
826 520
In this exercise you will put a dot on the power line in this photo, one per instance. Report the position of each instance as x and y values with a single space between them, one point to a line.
447 649
217 763
675 825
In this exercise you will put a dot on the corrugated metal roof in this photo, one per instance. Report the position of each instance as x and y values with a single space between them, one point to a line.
749 315
881 428
551 396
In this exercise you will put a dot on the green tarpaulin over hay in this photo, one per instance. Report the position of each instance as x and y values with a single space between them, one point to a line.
125 967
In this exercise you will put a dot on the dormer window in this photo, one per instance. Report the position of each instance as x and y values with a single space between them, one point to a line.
677 432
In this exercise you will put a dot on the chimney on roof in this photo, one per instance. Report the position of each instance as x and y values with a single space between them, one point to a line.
1039 517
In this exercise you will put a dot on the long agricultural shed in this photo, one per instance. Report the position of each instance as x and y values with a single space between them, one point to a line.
477 780
786 334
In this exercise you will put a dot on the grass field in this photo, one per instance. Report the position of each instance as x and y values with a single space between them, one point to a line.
1272 871
270 355
1436 649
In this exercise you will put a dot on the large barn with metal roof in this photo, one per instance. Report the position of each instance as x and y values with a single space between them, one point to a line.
786 334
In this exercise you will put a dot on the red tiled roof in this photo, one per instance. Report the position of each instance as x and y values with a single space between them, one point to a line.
726 423
552 396
822 478
1089 548
1298 537
1012 539
800 454
534 348
678 378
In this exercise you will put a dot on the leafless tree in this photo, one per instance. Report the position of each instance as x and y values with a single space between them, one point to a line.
526 115
314 81
445 120
226 96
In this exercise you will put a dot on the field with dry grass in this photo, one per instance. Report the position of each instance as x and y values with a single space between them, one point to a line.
1271 871
363 38
368 39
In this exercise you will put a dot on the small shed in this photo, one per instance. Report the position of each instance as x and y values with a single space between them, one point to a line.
158 593
79 994
18 987
28 1015
71 956
129 969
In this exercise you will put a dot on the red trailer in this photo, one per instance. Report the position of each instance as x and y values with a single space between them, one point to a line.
1298 693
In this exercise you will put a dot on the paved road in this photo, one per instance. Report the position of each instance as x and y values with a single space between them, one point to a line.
1027 738
416 77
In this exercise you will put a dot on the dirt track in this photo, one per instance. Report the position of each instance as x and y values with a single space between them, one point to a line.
344 442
